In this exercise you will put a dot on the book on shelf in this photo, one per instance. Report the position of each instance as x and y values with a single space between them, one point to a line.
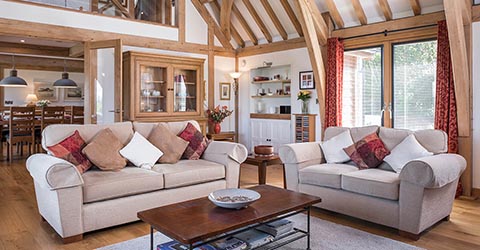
223 244
277 228
254 238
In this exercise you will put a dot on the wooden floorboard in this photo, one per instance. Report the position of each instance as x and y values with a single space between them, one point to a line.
22 228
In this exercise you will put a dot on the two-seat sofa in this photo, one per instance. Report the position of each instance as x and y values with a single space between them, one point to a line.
413 200
74 203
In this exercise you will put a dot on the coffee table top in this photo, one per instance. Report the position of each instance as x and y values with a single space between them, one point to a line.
199 219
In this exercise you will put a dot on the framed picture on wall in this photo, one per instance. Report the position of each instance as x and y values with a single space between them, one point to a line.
225 91
306 80
45 90
287 88
73 95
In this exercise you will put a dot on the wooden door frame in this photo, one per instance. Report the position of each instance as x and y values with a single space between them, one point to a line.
91 72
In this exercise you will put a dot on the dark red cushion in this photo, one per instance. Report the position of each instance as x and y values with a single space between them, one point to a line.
197 142
70 149
367 152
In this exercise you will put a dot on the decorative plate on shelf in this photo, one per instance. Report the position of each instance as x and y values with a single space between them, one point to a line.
233 198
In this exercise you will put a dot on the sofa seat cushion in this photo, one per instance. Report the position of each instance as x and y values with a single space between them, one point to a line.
189 172
103 185
372 182
325 175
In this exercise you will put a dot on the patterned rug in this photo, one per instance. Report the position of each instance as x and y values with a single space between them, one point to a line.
325 235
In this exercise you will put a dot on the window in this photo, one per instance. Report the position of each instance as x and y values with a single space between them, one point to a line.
414 81
362 87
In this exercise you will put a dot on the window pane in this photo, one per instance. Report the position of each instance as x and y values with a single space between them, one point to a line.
362 87
414 76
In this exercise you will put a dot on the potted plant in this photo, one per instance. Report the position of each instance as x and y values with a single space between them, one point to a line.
43 103
304 96
217 115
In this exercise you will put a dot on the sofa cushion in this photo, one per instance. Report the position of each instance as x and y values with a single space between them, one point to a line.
333 148
197 142
103 151
70 149
409 149
356 133
367 152
145 128
372 182
169 143
141 152
103 185
325 175
189 172
391 137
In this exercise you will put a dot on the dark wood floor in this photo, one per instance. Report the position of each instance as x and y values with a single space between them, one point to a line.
21 227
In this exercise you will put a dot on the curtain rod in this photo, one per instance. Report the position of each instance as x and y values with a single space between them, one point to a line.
386 32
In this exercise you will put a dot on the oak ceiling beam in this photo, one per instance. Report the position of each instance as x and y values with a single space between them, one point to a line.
258 20
289 44
337 18
402 23
29 49
460 62
77 50
274 18
387 11
314 51
321 27
39 63
225 17
236 36
245 25
417 10
357 6
291 15
202 10
476 13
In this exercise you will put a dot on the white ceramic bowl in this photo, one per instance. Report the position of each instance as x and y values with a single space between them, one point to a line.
233 198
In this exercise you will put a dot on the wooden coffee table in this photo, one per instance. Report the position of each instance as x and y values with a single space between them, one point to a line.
262 162
197 222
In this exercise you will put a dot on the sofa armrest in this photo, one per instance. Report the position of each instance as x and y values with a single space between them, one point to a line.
229 154
296 153
52 172
434 171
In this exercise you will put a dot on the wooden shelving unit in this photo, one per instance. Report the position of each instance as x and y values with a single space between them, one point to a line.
270 96
272 81
270 116
304 128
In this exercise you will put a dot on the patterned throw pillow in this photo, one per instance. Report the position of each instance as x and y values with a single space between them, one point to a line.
197 142
70 149
367 152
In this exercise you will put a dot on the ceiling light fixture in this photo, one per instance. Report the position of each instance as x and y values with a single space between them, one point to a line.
65 82
13 80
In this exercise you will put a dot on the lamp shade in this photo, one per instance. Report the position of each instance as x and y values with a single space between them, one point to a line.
235 75
31 98
13 80
64 82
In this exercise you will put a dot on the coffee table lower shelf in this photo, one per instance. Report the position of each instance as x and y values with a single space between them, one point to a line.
282 240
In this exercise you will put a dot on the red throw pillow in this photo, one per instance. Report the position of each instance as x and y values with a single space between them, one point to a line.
367 152
197 142
70 149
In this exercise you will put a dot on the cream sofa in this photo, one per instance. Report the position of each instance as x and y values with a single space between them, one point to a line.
74 203
413 200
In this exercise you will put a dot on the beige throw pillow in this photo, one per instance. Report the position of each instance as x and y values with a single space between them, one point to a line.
103 151
170 144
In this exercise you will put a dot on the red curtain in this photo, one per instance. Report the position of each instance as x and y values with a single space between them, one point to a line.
445 104
333 88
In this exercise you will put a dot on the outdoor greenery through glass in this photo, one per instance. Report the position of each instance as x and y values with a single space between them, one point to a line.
414 81
362 87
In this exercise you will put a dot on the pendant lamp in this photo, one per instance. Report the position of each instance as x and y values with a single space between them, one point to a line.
65 82
13 80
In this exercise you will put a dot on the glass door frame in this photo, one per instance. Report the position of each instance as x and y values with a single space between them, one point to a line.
90 60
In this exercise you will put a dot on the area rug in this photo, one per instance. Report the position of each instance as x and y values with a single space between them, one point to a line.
325 235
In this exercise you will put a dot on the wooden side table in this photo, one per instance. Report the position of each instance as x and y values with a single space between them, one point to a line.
223 136
262 162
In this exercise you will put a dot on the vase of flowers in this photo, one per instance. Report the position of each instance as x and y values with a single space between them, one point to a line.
304 96
216 117
43 103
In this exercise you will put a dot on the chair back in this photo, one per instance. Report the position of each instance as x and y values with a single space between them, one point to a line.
77 115
21 124
52 115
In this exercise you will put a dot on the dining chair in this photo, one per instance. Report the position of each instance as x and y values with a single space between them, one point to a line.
21 129
48 116
77 115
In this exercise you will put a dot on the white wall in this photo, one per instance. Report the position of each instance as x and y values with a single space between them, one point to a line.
476 104
224 66
299 61
18 94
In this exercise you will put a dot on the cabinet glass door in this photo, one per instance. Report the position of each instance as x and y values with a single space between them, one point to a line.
153 89
185 90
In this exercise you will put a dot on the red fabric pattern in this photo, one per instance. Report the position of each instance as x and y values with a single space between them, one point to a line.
334 84
445 104
367 152
70 149
197 142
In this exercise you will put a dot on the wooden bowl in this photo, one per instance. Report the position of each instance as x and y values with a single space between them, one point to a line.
263 150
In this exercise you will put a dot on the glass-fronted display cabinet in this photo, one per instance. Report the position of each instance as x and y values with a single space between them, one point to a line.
162 88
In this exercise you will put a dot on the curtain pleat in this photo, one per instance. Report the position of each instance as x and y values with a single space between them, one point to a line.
333 88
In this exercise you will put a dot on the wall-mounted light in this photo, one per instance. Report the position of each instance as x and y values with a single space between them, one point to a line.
13 80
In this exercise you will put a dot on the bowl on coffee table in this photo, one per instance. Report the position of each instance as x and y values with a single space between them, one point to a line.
233 198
